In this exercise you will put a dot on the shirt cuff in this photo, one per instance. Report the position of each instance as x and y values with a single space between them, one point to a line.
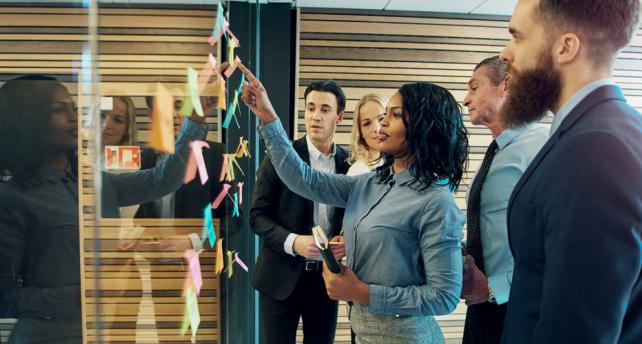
197 244
377 299
288 245
500 284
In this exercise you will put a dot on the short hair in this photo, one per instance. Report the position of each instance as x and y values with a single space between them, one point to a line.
498 69
328 86
607 25
25 109
359 150
149 100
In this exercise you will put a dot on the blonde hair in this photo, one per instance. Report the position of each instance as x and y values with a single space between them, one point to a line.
359 150
130 137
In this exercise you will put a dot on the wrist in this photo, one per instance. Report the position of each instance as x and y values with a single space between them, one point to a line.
268 117
363 293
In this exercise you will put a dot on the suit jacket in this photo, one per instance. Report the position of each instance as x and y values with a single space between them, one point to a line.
277 212
191 198
575 229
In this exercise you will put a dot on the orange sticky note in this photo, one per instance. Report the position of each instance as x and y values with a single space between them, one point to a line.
220 94
162 134
218 268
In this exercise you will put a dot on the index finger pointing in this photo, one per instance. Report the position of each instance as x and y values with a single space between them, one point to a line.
248 75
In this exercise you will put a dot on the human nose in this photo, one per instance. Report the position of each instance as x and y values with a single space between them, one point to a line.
467 100
507 53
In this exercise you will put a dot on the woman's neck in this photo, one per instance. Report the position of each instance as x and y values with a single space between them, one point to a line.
400 164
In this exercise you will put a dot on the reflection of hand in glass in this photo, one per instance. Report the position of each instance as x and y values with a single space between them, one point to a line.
175 243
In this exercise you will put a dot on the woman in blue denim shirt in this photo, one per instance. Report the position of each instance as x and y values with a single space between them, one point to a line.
402 226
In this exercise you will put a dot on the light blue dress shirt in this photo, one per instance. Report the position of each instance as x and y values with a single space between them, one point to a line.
575 99
402 241
516 149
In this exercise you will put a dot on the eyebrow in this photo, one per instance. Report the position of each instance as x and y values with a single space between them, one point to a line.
471 81
395 107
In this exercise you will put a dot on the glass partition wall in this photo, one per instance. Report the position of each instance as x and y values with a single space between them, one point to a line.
124 217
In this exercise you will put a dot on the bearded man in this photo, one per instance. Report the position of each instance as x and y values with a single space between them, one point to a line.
575 216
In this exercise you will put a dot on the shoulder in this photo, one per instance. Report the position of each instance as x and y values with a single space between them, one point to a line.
358 167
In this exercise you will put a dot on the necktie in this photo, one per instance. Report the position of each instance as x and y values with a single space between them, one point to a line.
473 242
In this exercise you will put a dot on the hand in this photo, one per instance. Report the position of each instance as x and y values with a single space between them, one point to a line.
339 250
475 285
256 98
304 245
345 286
175 243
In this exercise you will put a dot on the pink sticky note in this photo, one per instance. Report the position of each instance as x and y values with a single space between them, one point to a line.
197 152
194 269
228 72
238 260
221 196
240 185
224 168
212 61
190 169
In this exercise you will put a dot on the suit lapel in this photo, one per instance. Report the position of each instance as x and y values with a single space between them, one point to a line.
600 95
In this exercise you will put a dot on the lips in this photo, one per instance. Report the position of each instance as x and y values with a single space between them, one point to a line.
382 136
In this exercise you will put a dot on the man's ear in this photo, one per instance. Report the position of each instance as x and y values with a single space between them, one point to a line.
567 48
504 85
340 117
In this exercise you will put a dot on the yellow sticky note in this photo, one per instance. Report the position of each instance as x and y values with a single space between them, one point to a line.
161 137
220 94
231 45
192 81
230 264
218 268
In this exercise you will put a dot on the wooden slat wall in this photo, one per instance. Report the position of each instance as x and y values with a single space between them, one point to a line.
138 47
378 52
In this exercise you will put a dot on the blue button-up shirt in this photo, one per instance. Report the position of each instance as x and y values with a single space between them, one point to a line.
516 149
575 99
401 240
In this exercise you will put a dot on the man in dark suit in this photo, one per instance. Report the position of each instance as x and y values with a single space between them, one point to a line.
288 270
191 198
575 216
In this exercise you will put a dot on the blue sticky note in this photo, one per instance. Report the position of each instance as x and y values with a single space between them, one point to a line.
208 225
236 205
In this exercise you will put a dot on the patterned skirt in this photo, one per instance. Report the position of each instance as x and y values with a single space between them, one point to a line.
373 328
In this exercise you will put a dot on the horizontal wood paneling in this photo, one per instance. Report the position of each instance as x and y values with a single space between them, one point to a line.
379 51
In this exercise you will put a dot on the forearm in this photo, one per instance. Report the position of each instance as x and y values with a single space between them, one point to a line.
327 188
31 302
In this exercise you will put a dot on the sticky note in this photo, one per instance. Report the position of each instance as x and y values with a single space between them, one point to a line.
220 197
208 225
190 169
193 313
238 260
218 268
224 167
107 103
161 137
212 60
197 152
232 67
230 111
241 149
236 213
187 108
240 186
231 45
219 25
220 94
194 265
192 81
230 264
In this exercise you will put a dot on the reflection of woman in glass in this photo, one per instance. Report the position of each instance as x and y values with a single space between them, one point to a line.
119 123
402 226
364 148
39 252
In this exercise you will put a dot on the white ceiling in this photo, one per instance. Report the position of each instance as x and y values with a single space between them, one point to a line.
495 7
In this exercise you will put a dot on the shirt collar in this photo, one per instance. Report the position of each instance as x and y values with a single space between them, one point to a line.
315 153
507 136
54 175
574 100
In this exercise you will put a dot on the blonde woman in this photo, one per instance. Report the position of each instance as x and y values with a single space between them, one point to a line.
119 123
364 152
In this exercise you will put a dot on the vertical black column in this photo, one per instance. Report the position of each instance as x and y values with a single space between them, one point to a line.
267 38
